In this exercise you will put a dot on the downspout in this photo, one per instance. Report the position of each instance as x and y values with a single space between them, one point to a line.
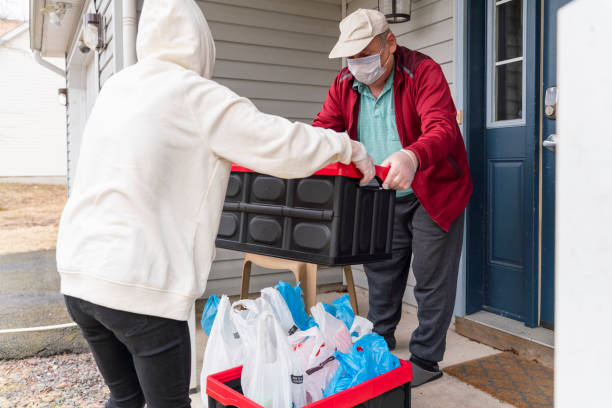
48 65
130 28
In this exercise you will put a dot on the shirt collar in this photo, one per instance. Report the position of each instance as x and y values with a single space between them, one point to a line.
361 87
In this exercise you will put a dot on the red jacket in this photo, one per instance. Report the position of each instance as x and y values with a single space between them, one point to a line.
426 121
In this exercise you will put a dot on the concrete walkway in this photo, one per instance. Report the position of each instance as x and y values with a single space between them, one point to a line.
29 297
447 392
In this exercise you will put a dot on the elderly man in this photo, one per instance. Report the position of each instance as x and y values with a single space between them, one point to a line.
397 103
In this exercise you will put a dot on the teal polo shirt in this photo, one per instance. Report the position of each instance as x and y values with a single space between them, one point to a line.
376 127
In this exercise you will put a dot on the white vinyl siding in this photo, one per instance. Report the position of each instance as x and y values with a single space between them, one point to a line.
32 122
106 63
431 30
275 52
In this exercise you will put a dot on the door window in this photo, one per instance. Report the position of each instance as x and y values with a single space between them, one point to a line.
505 63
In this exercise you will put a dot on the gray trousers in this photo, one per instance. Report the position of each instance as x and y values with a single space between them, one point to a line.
436 264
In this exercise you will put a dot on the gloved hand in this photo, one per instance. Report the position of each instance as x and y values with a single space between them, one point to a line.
362 160
403 164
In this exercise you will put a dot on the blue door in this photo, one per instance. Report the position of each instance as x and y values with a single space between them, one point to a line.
549 81
502 127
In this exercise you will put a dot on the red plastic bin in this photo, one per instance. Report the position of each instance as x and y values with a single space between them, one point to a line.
223 390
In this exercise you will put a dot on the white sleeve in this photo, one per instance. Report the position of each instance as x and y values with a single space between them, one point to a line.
237 131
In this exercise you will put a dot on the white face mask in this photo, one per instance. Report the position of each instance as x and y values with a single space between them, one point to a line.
367 69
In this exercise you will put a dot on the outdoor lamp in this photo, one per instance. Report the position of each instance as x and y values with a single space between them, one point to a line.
62 96
56 12
93 31
396 11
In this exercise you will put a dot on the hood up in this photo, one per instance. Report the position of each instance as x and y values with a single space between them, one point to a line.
176 31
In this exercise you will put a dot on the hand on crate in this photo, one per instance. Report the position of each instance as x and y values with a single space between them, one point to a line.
403 165
362 160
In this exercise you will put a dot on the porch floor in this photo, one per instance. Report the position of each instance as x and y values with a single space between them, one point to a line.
445 392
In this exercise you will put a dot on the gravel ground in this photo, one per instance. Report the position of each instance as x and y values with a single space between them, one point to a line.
68 380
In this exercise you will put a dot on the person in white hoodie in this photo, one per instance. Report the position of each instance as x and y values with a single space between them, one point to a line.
136 238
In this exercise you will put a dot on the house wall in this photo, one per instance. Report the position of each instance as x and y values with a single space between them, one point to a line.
431 30
107 58
32 122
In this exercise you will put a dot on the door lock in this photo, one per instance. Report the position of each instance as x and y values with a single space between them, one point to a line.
550 103
551 142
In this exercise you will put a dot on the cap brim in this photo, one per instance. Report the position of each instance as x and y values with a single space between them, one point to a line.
348 48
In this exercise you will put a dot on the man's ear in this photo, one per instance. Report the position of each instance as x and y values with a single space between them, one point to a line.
391 42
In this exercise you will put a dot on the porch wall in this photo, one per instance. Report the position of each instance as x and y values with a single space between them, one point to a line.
431 30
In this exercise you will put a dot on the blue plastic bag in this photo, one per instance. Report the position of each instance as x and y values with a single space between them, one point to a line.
209 313
344 311
331 309
341 309
293 298
369 357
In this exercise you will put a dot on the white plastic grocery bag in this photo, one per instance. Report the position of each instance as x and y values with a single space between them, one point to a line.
334 330
280 309
316 359
361 326
268 373
224 347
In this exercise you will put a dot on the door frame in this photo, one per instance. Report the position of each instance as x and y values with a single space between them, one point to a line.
474 64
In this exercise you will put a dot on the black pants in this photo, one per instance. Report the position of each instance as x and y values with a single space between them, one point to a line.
435 265
142 358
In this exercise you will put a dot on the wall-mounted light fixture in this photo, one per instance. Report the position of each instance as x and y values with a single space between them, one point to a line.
396 11
93 30
56 12
62 96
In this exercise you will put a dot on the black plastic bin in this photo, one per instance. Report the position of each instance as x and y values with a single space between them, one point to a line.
327 219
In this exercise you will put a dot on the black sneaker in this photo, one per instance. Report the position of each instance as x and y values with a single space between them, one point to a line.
423 373
391 342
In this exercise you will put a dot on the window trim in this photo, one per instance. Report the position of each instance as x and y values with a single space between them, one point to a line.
492 64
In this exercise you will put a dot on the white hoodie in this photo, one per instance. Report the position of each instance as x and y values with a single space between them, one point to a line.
138 231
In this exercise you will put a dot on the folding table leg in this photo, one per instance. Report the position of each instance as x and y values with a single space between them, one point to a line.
309 285
246 279
350 286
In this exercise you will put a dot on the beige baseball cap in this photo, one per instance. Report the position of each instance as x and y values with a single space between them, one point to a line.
357 30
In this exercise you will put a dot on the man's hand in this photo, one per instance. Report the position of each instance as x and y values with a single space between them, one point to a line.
403 165
362 160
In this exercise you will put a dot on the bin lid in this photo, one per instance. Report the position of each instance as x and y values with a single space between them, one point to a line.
334 169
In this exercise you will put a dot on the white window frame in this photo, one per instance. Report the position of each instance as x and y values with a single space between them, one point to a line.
491 64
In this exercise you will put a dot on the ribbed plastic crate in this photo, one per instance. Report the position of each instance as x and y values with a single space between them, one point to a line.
390 390
327 219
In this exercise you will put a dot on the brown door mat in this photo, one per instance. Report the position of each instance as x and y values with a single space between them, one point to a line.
518 381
